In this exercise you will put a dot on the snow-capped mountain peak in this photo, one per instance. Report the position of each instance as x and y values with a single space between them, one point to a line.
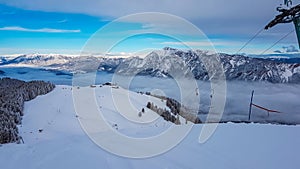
161 63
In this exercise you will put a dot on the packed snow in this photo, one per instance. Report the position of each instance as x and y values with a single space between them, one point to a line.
53 138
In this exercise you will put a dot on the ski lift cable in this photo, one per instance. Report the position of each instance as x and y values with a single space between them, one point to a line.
277 42
289 4
257 33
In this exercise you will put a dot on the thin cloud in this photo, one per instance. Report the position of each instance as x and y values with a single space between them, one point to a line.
290 49
63 21
44 30
188 9
287 49
188 43
199 43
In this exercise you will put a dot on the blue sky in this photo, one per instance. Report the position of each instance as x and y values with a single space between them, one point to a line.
65 26
35 31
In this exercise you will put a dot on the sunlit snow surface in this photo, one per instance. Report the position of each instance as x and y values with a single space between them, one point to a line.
63 144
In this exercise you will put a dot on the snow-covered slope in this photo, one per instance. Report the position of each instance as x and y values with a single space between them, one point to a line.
54 139
58 108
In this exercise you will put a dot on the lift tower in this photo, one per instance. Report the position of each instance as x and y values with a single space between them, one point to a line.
288 14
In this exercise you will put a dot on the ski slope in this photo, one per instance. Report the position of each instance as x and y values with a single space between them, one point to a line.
53 138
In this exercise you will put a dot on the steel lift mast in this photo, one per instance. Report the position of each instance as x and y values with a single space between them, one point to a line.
288 14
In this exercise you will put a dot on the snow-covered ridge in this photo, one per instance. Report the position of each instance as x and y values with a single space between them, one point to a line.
37 59
236 67
71 63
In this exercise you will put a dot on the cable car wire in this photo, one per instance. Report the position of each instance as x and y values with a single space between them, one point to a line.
259 32
277 42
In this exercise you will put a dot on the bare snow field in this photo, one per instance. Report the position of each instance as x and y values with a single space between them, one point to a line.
53 138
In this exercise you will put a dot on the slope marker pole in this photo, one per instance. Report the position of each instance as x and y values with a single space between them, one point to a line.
250 106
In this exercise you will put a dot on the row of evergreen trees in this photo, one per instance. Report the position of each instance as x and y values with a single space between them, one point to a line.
13 94
167 115
176 110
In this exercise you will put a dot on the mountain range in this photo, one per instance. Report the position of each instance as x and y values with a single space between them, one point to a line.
168 62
